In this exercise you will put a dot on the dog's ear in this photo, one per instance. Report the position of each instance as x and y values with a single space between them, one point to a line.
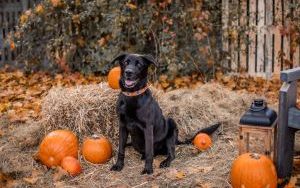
149 60
119 58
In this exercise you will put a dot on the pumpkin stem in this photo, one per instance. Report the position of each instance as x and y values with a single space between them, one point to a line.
95 136
255 156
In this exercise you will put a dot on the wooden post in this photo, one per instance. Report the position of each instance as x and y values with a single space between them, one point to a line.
285 135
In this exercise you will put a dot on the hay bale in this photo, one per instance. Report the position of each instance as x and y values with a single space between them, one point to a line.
91 109
85 110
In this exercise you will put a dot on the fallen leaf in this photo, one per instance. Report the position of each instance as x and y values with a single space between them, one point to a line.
59 174
31 180
180 175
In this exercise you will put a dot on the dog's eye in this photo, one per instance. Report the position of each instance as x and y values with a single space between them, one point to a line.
125 63
138 64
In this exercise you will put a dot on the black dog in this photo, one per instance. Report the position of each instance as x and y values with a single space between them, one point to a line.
141 117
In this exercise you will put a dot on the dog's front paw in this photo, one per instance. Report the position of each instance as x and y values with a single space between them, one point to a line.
117 167
165 163
147 171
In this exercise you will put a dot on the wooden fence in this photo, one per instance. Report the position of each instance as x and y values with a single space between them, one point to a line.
10 11
263 48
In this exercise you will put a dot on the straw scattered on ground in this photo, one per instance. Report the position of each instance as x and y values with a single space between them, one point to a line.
90 110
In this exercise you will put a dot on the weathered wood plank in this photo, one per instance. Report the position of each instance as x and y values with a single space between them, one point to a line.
285 135
277 36
1 39
294 118
260 37
252 37
290 75
225 19
286 37
243 43
234 51
269 39
296 57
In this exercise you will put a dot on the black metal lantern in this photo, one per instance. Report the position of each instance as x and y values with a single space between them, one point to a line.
259 114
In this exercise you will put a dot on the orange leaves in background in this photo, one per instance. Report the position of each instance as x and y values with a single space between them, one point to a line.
12 45
20 96
39 9
131 6
269 88
167 84
56 3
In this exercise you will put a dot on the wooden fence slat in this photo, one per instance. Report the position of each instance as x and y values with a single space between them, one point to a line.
234 42
286 38
225 19
296 57
269 39
277 36
243 46
296 54
1 45
252 37
260 37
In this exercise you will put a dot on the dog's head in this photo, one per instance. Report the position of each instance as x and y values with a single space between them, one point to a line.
134 70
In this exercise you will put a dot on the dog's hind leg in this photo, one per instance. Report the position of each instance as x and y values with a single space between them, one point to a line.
170 144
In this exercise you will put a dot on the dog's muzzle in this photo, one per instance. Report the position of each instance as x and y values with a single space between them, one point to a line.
130 81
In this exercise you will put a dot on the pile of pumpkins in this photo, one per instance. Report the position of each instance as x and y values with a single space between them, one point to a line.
60 148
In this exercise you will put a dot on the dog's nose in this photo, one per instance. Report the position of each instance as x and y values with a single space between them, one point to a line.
128 72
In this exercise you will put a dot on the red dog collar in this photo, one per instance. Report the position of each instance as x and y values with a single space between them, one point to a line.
135 93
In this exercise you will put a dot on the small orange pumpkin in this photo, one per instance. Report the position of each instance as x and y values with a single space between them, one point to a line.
96 150
202 141
252 170
114 77
57 145
71 165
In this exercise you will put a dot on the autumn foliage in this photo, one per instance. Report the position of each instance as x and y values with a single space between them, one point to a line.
85 36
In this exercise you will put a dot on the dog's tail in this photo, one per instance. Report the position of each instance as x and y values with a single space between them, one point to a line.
208 130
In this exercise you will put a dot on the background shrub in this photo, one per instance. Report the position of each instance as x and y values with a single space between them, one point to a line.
85 35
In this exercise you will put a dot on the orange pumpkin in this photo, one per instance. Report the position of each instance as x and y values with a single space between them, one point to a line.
114 77
202 141
252 170
71 165
97 150
57 145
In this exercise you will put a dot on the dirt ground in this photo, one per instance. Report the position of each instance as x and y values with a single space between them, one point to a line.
191 168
